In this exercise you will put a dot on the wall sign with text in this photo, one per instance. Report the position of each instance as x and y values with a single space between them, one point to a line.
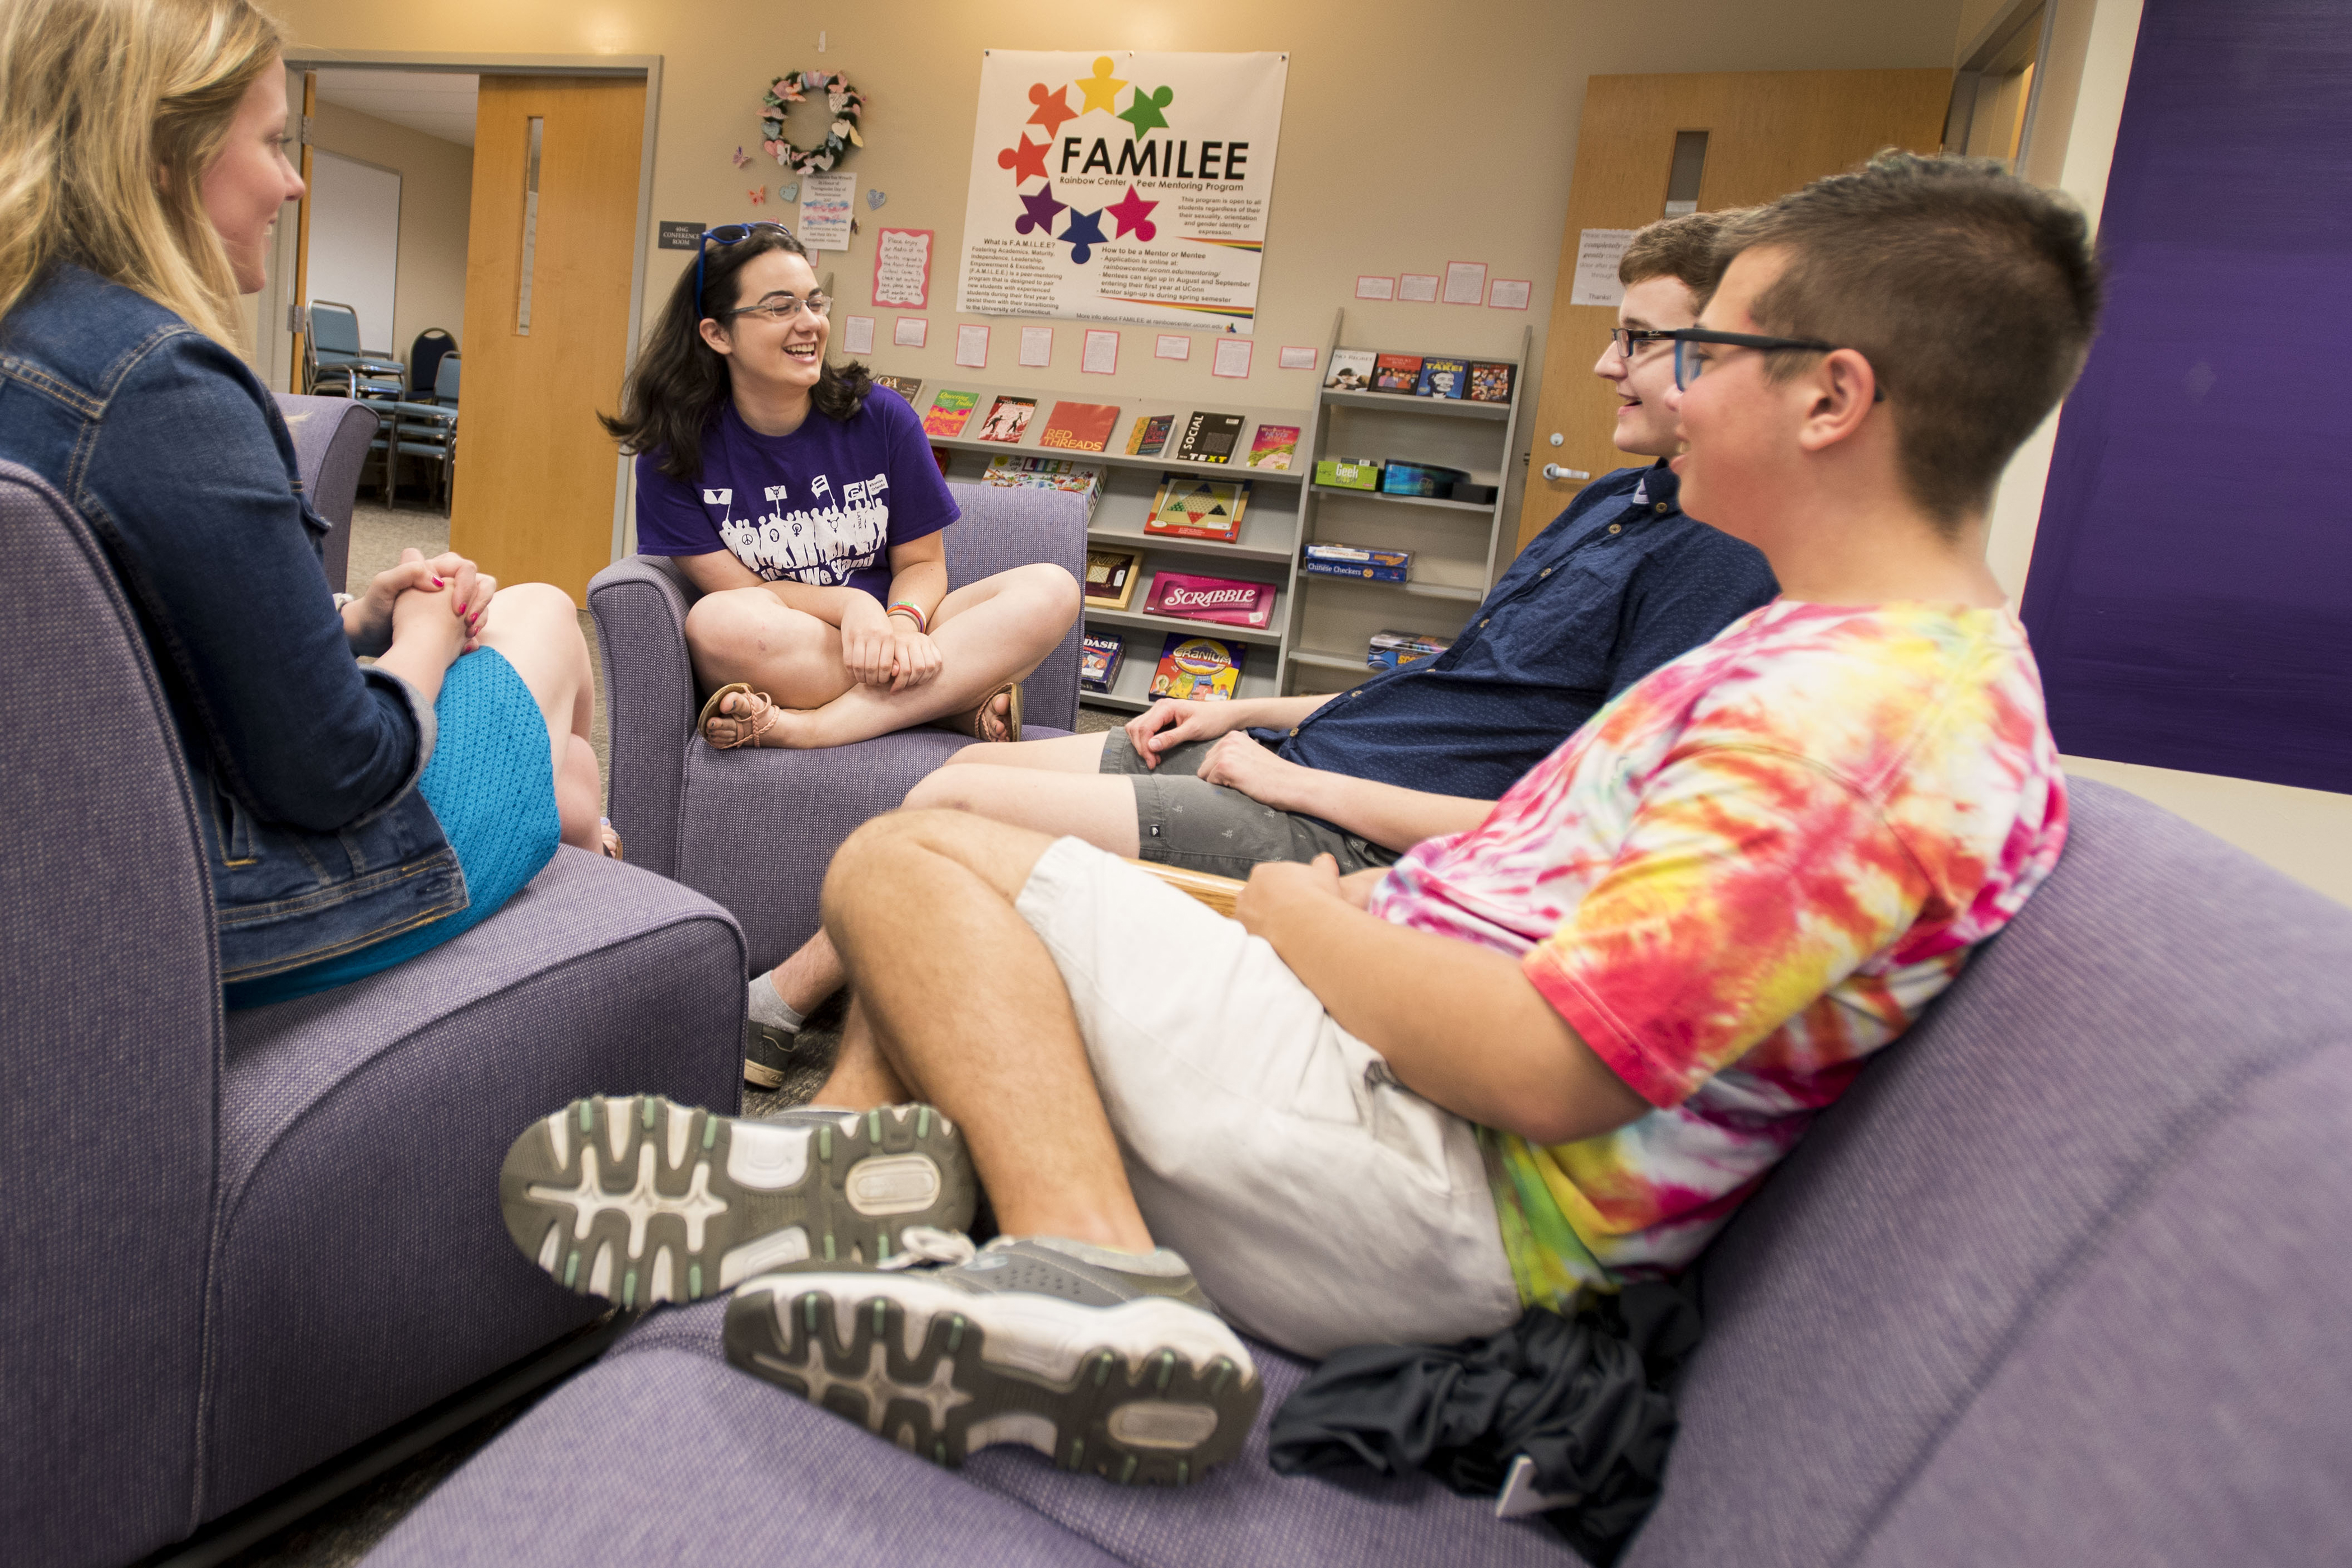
1121 186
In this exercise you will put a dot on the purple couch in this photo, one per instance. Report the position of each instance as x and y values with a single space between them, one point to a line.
2064 1280
754 830
237 1246
331 437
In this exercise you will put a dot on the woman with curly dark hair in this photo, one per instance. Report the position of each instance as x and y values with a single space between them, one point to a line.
804 502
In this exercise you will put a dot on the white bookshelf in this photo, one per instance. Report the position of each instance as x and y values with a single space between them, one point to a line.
1457 546
1265 552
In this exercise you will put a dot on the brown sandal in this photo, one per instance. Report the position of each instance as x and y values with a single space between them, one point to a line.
760 718
974 722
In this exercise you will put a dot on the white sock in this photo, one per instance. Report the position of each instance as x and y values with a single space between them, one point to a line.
769 1008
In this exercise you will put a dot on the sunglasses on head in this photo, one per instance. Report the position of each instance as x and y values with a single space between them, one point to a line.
726 234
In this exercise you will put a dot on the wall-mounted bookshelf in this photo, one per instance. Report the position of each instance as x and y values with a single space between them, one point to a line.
1265 552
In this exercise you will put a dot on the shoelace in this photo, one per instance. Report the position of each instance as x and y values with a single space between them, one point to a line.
921 1245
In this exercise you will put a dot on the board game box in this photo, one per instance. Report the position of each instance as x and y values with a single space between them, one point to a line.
1192 597
1111 578
1198 509
1100 656
1204 669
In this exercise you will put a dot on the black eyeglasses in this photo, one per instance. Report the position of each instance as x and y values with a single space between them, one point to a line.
726 234
1625 338
1688 366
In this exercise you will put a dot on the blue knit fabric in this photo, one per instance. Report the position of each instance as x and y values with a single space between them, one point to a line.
491 783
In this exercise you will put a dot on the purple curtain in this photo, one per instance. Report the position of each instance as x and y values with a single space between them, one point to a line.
2191 600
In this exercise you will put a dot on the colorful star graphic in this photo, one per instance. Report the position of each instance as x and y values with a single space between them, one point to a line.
1039 218
1134 216
1083 235
1144 112
1025 161
1054 110
1101 88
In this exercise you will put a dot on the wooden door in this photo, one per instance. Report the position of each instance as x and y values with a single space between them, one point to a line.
307 105
535 471
1767 132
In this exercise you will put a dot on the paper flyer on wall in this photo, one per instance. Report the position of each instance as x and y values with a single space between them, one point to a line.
825 200
1121 186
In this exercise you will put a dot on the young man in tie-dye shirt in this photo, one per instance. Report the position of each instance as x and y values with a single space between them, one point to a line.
1557 1051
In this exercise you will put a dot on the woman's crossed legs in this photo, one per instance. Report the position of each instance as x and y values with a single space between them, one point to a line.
988 633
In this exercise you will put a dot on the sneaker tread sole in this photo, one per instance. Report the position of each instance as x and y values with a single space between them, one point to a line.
685 1204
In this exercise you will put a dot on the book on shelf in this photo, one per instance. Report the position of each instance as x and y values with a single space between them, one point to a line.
1100 655
1111 578
1150 436
1210 437
1351 369
906 386
1389 650
950 413
1045 474
1441 378
1348 561
1489 382
1079 426
1008 419
940 456
1185 508
1273 447
1203 669
1396 372
1189 596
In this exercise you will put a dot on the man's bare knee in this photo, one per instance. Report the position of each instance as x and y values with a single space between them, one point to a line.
939 791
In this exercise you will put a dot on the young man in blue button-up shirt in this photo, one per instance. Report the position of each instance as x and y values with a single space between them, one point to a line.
1619 583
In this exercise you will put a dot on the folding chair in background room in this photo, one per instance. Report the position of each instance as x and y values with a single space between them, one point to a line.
428 428
425 362
337 365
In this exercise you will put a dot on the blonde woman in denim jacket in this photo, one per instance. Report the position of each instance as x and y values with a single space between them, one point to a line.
357 814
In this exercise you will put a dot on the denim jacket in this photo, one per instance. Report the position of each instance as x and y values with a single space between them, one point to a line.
305 761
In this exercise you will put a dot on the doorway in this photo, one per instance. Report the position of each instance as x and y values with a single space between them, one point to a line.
1652 146
538 491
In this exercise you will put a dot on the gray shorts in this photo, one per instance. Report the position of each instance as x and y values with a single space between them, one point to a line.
1179 821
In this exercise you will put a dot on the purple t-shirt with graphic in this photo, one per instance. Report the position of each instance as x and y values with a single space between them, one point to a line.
822 505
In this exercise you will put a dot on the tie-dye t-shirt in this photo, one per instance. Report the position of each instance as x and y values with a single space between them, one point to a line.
1735 882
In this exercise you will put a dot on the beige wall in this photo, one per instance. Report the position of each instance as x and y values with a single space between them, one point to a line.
437 185
2307 834
1411 136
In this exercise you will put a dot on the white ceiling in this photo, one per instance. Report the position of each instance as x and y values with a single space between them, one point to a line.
438 104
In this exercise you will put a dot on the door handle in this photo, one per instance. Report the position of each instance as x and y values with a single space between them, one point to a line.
1554 471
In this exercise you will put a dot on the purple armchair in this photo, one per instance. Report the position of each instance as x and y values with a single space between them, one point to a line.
2061 1280
235 1246
332 436
754 830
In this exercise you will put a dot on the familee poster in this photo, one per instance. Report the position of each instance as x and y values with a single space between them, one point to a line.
1121 186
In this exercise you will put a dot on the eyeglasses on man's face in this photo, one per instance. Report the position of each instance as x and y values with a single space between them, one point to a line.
1693 354
782 306
1626 340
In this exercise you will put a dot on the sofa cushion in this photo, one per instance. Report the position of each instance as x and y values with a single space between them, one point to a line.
671 1457
1239 1514
1859 1305
2200 1348
362 1129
